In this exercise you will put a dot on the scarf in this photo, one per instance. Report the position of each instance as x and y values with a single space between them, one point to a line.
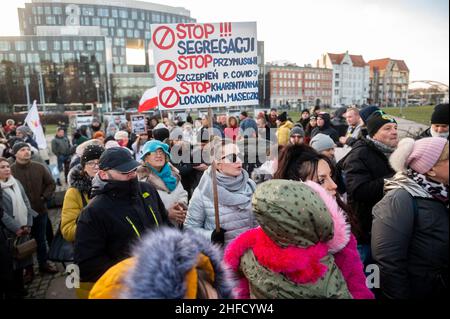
385 149
402 180
437 190
166 176
20 210
231 190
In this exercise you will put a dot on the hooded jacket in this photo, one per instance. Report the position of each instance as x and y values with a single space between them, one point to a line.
300 251
118 215
326 129
79 185
165 265
283 132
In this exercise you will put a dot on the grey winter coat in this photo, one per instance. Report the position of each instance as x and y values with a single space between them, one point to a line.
411 245
61 146
8 218
233 218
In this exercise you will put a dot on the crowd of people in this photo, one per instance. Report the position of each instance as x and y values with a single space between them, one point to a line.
288 219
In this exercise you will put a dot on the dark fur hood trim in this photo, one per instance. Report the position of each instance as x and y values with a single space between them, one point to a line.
80 181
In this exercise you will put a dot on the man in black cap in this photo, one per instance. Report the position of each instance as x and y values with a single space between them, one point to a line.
365 168
439 123
121 211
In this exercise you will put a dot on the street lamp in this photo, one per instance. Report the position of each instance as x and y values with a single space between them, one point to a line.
97 86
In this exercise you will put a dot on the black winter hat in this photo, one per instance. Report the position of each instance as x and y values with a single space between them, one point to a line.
282 117
440 114
19 145
377 120
91 152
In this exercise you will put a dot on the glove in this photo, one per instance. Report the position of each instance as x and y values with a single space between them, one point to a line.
218 237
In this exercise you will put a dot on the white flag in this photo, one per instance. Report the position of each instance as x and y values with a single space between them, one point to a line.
33 122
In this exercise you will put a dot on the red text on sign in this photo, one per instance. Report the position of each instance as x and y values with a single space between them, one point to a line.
194 87
191 61
194 31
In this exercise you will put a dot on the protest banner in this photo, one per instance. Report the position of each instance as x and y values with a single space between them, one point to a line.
138 124
205 65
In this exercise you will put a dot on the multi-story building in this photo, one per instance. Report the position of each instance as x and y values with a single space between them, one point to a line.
68 48
289 85
350 77
389 81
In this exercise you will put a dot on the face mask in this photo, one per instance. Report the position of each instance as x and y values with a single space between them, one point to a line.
436 134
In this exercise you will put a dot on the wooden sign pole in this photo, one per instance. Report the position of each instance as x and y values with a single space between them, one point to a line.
213 170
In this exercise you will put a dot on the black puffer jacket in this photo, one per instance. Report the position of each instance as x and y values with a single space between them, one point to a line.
411 246
364 170
114 219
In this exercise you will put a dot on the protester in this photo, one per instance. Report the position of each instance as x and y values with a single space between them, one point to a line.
410 232
439 122
7 287
284 128
62 149
323 144
302 249
296 135
76 158
232 129
355 123
80 135
365 167
25 134
99 135
138 145
188 133
160 132
119 214
158 171
304 118
78 194
248 127
39 187
168 264
309 128
16 222
338 122
264 130
235 190
111 129
9 127
324 127
272 119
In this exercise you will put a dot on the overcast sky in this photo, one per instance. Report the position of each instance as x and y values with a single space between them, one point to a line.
416 31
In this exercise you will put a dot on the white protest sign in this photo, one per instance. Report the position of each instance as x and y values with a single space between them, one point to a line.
138 124
205 65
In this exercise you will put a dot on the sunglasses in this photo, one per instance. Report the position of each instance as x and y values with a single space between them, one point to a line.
232 158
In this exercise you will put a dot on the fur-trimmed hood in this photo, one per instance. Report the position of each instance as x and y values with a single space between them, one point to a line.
163 259
78 180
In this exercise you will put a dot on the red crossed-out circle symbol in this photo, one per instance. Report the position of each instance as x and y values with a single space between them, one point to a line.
167 70
163 38
168 97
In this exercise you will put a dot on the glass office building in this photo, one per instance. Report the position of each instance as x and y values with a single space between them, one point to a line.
82 51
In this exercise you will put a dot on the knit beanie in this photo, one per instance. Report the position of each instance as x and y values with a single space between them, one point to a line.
366 112
160 132
91 152
440 114
297 130
18 146
321 142
420 155
377 120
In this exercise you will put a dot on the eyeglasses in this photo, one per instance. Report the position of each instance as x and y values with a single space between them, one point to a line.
92 163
